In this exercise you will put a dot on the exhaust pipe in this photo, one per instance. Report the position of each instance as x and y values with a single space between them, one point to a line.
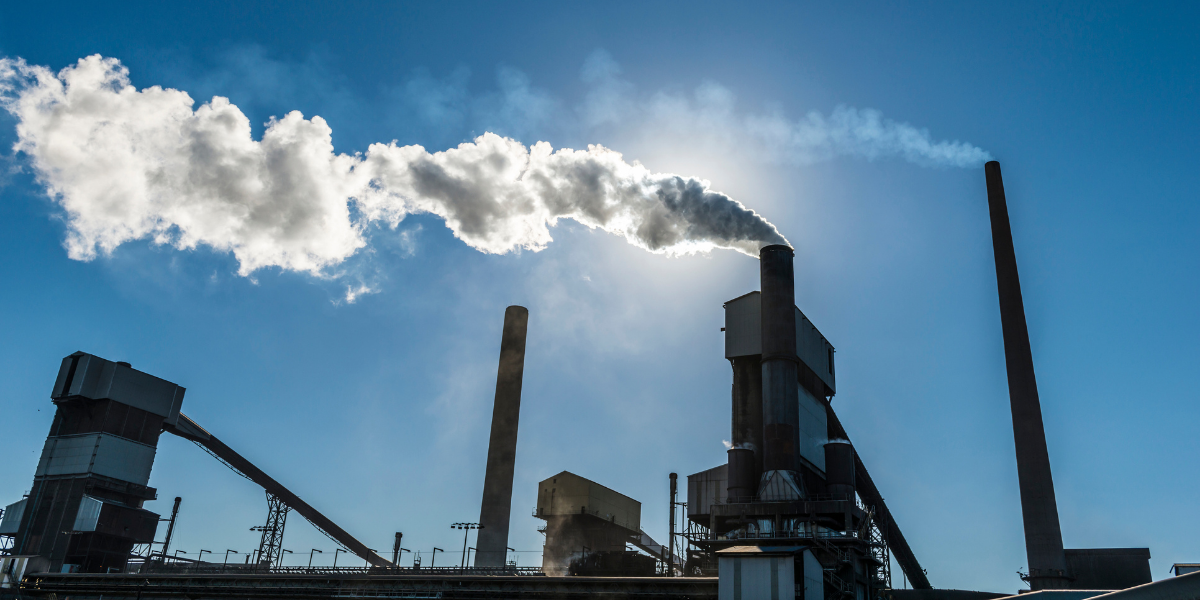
839 469
745 454
780 376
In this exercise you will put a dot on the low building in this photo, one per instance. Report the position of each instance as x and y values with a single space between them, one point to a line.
587 524
769 572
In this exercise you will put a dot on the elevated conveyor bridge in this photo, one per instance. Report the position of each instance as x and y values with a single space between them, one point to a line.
187 429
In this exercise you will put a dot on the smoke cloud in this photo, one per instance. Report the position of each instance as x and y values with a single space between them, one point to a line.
127 164
710 116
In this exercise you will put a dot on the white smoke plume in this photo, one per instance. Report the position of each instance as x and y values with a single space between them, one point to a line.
710 115
127 164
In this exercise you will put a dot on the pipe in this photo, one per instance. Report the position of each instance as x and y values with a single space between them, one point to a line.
1043 536
671 537
839 469
781 417
745 454
492 541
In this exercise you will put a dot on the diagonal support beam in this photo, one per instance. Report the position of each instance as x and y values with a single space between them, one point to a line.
883 517
189 430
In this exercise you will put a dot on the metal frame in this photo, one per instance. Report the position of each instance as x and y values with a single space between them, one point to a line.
270 547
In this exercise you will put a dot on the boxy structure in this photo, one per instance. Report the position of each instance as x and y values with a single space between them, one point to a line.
584 518
769 573
84 511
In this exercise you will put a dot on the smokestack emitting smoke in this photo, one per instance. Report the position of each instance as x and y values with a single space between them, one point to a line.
780 374
128 164
1039 510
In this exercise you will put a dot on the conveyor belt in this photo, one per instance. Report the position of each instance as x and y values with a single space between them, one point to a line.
655 549
189 430
883 517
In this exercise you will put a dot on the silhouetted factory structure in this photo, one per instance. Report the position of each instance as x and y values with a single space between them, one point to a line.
792 513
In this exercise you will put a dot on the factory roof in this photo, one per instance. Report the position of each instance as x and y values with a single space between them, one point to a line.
570 474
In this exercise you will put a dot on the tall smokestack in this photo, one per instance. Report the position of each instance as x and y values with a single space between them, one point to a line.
781 412
492 543
1043 537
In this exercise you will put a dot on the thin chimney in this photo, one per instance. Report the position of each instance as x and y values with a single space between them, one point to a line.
492 543
1043 537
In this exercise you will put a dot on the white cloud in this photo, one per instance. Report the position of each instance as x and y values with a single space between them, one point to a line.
354 292
710 116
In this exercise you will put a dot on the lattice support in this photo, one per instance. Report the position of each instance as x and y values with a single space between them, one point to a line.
270 549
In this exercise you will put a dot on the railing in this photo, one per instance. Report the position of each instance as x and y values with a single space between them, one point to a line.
837 583
807 498
792 534
235 569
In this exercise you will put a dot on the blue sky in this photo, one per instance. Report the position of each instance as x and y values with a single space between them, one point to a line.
377 411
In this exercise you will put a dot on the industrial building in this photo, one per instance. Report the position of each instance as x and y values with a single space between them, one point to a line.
785 506
792 512
84 511
794 503
589 528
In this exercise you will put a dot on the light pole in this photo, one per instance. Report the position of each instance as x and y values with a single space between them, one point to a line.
466 527
402 551
510 550
200 558
227 557
335 553
281 553
434 559
178 552
367 562
310 555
